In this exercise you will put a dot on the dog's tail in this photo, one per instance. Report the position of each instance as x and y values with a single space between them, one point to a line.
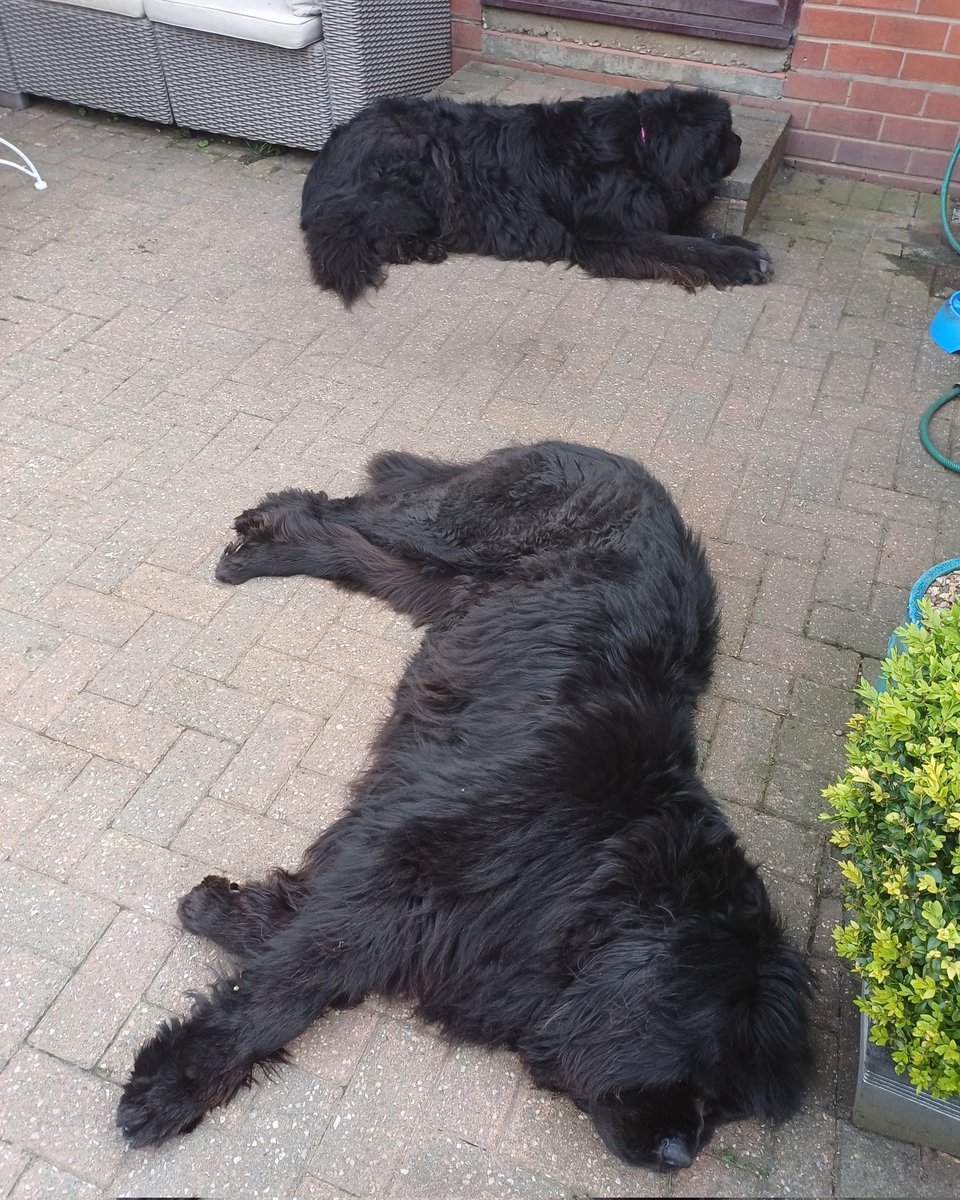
345 240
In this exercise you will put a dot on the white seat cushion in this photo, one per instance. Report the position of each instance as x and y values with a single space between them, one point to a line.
122 8
268 21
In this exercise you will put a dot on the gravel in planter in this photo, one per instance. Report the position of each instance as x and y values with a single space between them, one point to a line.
944 590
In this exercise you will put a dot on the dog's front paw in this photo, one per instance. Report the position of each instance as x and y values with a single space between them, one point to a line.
762 270
160 1099
733 239
749 266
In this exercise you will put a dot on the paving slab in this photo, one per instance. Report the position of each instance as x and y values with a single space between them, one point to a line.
164 359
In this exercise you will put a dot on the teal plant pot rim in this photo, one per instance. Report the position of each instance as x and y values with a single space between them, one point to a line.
919 590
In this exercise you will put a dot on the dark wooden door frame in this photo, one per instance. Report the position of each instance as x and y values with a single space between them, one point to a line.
757 22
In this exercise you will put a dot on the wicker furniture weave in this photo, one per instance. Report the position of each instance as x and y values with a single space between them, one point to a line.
87 57
383 47
245 89
11 95
229 85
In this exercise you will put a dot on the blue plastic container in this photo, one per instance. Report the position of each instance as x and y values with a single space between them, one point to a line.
945 326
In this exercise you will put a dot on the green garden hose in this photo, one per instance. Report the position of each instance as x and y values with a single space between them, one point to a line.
954 392
925 428
944 199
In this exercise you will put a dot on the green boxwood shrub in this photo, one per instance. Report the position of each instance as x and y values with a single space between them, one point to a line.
896 817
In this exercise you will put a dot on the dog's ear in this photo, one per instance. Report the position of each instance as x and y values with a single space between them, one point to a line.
596 1039
687 132
771 1049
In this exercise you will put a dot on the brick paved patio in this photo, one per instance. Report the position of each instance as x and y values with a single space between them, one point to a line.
164 359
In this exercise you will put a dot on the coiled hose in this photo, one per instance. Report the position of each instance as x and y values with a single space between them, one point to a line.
944 199
925 428
955 390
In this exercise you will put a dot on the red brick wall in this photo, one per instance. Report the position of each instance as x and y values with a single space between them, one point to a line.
874 89
466 31
873 86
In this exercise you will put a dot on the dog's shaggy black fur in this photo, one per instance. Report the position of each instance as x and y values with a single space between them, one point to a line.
530 855
615 185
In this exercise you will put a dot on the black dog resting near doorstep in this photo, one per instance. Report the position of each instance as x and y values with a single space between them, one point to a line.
615 185
530 855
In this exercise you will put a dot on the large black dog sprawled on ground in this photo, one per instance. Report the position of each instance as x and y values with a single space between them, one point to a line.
530 855
615 185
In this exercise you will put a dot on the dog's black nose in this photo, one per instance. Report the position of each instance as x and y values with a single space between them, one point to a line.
676 1152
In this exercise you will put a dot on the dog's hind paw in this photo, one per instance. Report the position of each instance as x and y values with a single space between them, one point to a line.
161 1098
143 1124
276 508
206 908
266 532
232 567
251 522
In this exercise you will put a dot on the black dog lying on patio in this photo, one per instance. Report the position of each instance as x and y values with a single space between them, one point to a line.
530 855
615 185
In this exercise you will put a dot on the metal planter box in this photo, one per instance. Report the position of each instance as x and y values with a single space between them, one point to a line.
889 1104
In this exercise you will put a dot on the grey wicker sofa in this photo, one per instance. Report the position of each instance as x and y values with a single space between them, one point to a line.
245 68
10 94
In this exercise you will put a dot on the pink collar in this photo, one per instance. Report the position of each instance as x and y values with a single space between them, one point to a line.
643 135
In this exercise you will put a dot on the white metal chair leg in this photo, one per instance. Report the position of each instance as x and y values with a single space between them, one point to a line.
26 166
